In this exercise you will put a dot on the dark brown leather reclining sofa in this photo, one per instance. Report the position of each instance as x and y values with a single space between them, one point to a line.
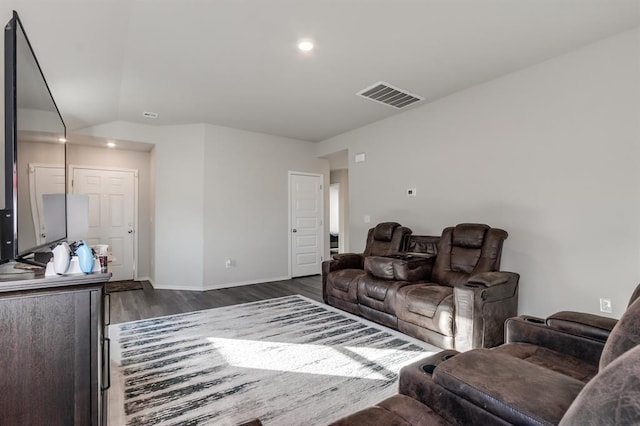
445 290
340 275
570 369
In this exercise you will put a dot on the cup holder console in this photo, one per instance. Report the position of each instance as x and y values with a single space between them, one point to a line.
534 320
428 368
433 361
472 285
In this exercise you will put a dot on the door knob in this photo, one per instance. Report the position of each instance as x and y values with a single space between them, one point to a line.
294 230
130 231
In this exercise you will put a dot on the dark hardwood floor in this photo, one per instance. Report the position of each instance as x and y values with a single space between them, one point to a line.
148 303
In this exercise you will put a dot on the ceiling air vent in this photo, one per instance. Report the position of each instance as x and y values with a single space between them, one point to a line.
386 94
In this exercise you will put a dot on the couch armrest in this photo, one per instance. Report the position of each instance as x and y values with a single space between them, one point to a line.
340 261
582 324
482 305
490 279
347 261
535 331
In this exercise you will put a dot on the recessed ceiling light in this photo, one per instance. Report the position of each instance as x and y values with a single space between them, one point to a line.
149 114
63 140
111 144
305 45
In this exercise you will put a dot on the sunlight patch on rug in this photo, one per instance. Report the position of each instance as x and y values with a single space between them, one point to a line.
286 361
300 358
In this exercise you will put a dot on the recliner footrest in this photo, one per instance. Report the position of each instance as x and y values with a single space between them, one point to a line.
399 410
513 389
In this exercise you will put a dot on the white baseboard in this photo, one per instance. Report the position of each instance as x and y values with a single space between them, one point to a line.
206 287
175 287
241 283
144 279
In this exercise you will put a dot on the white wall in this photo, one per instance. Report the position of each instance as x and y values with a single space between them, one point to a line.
246 203
549 153
79 155
218 193
177 213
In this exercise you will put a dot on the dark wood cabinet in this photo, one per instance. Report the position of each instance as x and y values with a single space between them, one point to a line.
53 358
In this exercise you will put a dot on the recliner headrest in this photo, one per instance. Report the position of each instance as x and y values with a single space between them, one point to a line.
624 336
635 295
469 235
384 231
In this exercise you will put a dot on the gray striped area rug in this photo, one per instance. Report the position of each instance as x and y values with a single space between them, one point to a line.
285 361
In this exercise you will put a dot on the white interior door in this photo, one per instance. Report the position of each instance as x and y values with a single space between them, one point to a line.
306 224
111 214
43 179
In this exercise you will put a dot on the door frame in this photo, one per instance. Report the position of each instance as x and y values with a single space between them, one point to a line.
322 218
73 167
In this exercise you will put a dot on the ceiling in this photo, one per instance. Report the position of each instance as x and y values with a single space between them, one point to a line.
235 63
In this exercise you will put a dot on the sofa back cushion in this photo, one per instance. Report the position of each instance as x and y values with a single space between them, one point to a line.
385 239
467 249
624 336
384 231
611 397
634 295
426 244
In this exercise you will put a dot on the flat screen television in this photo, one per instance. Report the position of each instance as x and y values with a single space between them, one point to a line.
35 213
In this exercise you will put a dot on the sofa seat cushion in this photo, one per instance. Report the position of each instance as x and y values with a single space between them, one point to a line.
429 306
341 289
343 279
375 288
556 361
425 299
378 294
513 389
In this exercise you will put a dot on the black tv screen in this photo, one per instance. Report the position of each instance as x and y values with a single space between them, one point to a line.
35 153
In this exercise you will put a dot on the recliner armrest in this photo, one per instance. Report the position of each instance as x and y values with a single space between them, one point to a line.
490 279
535 331
482 305
582 324
347 261
491 286
339 261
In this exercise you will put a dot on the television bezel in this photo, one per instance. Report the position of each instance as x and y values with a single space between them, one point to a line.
9 217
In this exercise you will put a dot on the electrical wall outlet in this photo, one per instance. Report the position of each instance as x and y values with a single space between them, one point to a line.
411 192
605 305
227 263
367 219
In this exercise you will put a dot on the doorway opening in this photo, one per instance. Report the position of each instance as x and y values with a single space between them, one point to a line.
334 218
339 201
